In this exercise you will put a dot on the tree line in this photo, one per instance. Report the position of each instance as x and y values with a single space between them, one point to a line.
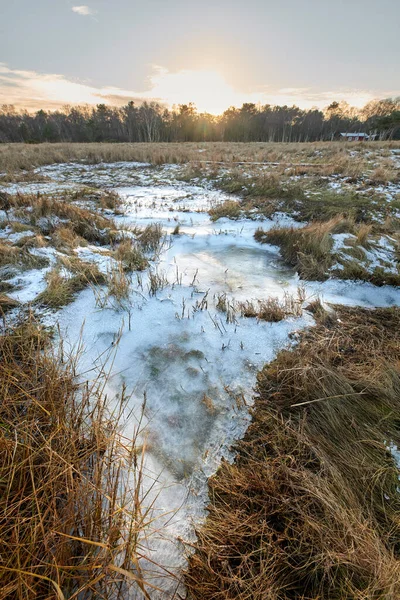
152 122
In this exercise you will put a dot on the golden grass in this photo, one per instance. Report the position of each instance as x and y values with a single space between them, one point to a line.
229 209
14 157
308 248
118 283
273 310
7 303
69 525
64 238
151 238
62 287
20 257
363 233
131 256
310 507
44 213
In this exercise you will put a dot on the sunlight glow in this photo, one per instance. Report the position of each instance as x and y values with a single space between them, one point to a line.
208 90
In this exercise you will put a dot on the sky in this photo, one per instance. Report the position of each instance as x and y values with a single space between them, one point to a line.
216 53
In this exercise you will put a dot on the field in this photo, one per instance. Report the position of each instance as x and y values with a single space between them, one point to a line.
220 323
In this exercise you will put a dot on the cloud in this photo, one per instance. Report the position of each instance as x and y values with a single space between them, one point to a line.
83 10
207 89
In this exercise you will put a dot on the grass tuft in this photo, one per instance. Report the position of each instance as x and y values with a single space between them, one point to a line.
131 256
66 279
67 529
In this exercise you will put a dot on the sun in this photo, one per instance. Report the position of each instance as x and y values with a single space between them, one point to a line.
208 90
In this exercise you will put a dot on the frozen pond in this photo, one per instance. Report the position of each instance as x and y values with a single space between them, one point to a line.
195 367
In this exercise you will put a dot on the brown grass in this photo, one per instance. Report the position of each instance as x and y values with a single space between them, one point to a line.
310 507
66 527
14 157
118 283
363 233
151 238
64 238
7 303
229 209
20 257
273 310
44 213
62 287
308 248
131 256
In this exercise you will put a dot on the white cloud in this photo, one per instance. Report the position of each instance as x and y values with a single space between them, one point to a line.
83 10
207 89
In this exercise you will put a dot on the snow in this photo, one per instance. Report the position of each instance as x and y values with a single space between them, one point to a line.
339 241
97 255
382 254
7 233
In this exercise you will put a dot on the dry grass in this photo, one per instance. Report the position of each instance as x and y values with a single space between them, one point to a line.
118 283
308 248
383 175
21 257
310 508
32 241
151 238
64 238
308 199
66 279
131 256
363 233
23 177
7 303
69 524
273 310
331 155
45 213
157 281
229 209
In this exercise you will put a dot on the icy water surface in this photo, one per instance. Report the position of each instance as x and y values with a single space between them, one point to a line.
176 349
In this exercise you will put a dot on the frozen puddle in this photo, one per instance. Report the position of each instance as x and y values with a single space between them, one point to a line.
195 369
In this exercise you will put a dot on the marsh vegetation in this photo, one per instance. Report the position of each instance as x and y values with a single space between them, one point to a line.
194 276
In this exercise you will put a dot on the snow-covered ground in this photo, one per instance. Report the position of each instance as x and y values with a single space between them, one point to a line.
195 367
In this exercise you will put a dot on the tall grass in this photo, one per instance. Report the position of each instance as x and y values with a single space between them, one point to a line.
333 155
71 517
308 248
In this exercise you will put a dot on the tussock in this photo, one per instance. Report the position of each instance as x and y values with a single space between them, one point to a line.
48 214
118 283
66 279
131 256
229 209
20 257
150 238
7 303
273 310
308 248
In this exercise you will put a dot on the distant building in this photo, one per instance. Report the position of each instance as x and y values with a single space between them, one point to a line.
355 137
